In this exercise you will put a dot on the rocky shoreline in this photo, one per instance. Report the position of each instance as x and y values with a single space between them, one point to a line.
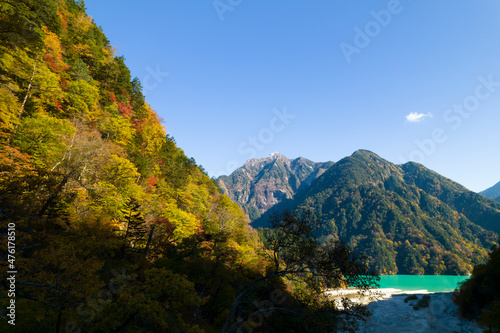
390 313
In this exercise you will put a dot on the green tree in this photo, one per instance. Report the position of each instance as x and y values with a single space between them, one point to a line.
479 297
296 253
135 229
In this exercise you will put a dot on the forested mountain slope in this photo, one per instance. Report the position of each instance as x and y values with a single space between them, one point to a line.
105 207
478 209
406 218
492 192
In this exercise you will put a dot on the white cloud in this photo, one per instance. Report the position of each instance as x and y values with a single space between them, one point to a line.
415 117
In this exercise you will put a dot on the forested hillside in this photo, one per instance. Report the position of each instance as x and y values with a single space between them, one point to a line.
492 192
106 224
406 218
96 189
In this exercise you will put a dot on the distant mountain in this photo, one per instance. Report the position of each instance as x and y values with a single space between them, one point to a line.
492 192
406 218
264 182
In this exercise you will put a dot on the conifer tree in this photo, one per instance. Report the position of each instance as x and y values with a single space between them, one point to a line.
135 225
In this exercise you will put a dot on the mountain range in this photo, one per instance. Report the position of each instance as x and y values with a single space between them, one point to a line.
492 192
406 218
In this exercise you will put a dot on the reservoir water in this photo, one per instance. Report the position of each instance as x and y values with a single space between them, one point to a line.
431 283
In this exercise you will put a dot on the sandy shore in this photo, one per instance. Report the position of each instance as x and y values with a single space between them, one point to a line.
392 314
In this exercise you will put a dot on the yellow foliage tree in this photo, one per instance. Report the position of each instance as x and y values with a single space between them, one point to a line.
118 129
83 99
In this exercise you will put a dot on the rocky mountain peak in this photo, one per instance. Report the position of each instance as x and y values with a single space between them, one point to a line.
262 161
264 182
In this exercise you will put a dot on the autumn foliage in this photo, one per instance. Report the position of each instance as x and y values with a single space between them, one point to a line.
97 189
116 229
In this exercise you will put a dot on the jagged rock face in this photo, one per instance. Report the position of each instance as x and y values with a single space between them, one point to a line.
264 182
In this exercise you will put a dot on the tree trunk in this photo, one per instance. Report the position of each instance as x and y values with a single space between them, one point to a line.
56 193
27 91
126 234
150 238
59 316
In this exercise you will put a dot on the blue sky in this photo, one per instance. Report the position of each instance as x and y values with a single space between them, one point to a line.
234 79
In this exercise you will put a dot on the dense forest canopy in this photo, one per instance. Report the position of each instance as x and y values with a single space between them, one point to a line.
115 229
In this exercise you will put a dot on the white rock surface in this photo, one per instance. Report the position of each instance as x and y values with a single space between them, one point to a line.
392 314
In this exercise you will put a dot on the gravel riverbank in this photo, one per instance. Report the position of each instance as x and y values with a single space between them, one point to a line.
392 314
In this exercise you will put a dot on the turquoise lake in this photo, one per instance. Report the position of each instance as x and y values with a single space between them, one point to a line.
431 283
